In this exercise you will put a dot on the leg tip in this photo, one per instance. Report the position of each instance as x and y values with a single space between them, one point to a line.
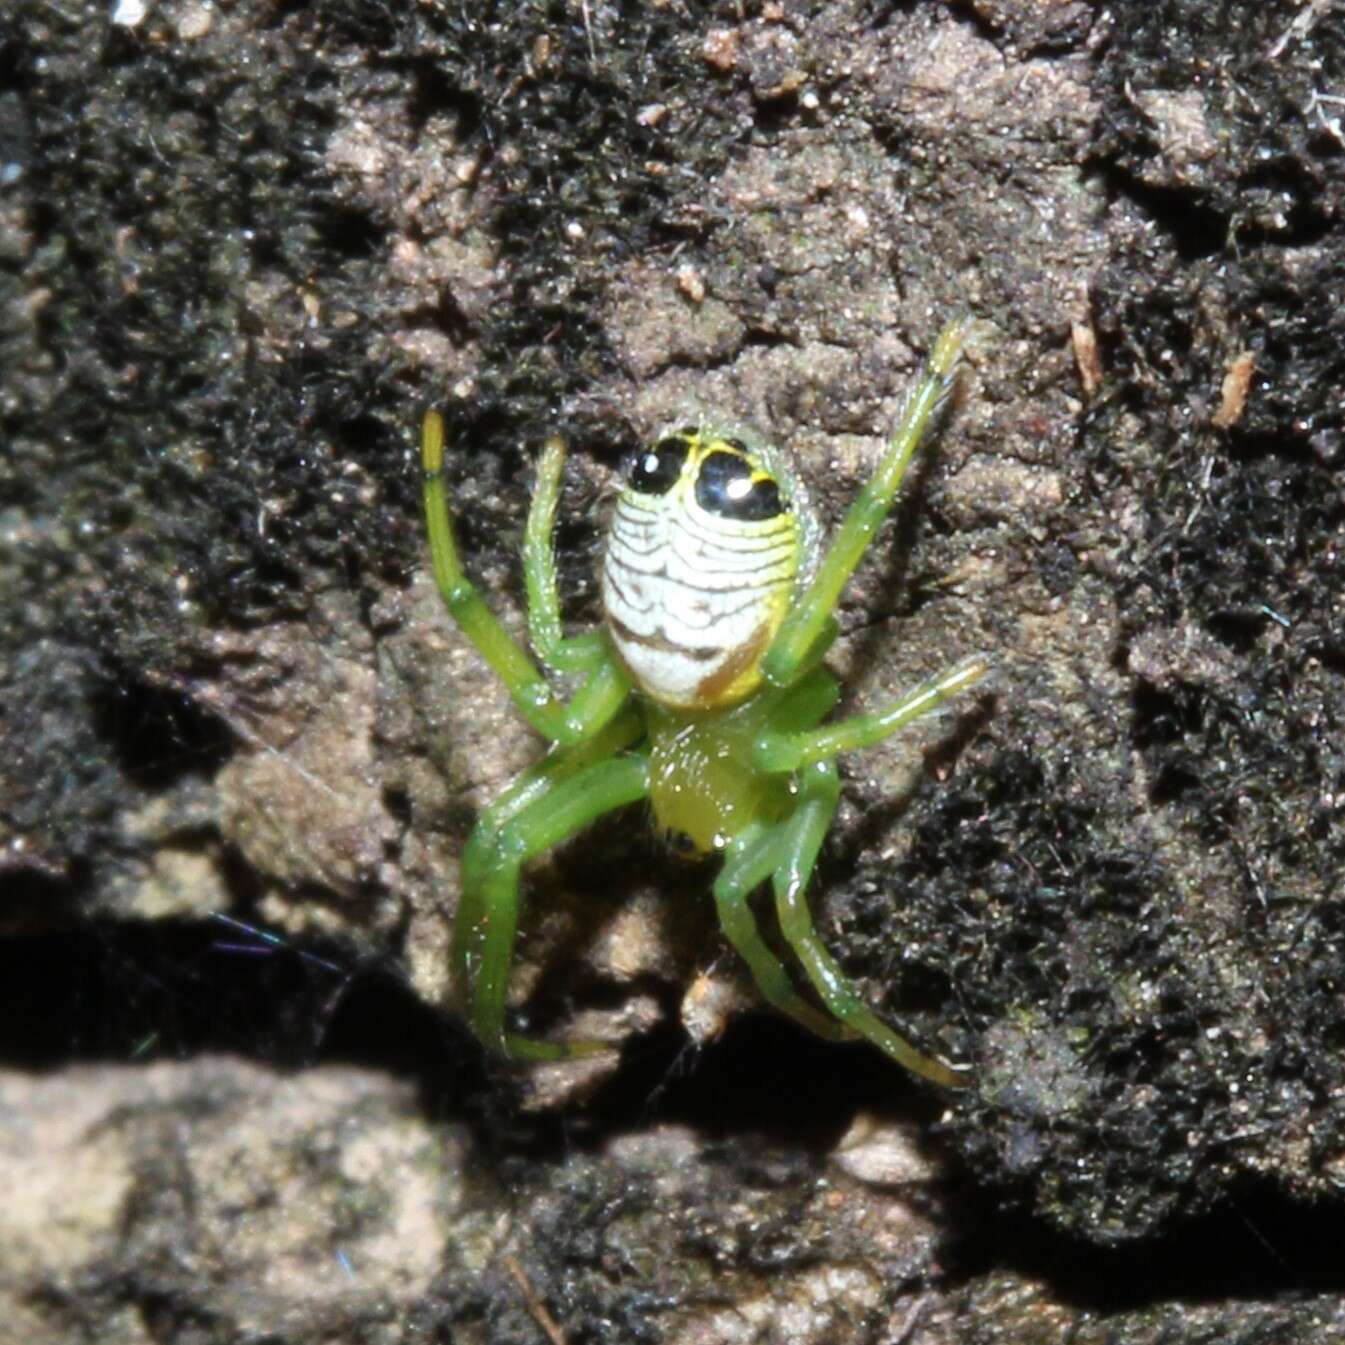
432 442
948 348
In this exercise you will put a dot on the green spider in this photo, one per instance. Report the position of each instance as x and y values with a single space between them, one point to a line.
704 694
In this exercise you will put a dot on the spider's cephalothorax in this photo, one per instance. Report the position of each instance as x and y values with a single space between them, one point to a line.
704 694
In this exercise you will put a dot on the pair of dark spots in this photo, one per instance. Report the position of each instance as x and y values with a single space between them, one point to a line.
724 484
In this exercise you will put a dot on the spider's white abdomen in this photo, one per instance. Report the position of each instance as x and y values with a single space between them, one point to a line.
700 564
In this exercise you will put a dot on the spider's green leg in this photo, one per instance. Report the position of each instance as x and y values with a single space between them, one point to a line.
603 692
572 803
796 854
507 658
817 652
803 705
750 861
578 652
559 764
781 752
607 686
800 632
528 789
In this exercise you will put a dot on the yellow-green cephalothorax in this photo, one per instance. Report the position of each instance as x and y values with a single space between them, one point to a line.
701 560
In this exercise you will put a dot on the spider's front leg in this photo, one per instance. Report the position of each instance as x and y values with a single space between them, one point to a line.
472 918
541 811
811 751
605 687
795 853
751 859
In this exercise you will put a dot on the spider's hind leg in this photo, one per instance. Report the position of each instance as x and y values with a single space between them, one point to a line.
574 653
804 628
605 687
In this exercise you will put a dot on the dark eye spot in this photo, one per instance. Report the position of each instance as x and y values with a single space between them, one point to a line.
655 471
725 487
682 845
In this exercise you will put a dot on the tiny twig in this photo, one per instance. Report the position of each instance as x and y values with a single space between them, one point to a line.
535 1306
906 1331
588 31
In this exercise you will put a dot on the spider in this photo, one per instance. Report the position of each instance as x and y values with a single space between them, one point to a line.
704 694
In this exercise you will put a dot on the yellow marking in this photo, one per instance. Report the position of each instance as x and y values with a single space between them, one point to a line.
740 674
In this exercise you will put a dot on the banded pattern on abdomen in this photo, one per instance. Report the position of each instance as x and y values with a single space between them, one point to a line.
693 596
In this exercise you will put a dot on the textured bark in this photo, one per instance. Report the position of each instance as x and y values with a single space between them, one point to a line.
241 247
